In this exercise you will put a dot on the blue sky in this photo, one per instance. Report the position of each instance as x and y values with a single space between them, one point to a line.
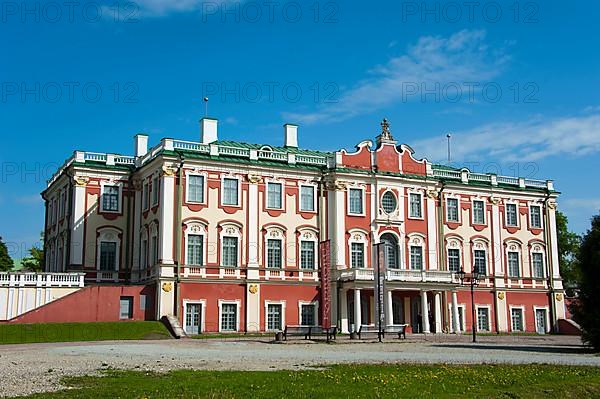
516 83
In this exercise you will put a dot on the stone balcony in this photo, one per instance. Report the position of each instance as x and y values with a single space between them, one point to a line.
409 276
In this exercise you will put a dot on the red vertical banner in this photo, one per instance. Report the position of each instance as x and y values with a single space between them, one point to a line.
325 263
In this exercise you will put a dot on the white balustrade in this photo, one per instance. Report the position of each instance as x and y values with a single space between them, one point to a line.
19 279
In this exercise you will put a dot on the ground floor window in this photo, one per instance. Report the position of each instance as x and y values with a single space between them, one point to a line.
274 316
229 317
483 319
516 318
307 314
126 307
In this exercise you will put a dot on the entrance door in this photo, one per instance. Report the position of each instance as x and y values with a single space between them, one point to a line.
416 317
193 318
364 310
540 321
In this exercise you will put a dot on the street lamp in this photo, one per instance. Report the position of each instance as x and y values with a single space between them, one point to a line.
472 280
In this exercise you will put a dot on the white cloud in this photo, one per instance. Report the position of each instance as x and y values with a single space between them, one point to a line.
529 140
460 58
582 204
33 199
159 8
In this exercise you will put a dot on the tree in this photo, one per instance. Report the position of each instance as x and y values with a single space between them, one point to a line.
568 248
6 262
35 262
587 307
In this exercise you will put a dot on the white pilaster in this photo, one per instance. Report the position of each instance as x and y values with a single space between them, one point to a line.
357 310
389 314
432 240
167 218
344 311
438 312
253 243
497 246
455 320
137 215
554 246
337 224
78 223
424 312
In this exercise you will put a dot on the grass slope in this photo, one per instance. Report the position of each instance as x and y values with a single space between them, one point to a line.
71 332
348 381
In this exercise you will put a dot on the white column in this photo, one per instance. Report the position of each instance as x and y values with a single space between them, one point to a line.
497 246
137 204
455 321
78 223
389 314
554 249
167 218
438 312
424 312
344 311
432 241
253 243
357 309
337 223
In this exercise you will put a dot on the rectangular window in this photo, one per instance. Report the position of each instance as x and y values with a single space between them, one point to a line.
537 259
516 319
144 254
452 210
126 307
229 317
355 201
110 198
483 319
479 262
536 217
230 251
357 255
416 258
195 250
230 192
307 198
307 255
454 260
108 256
274 319
196 189
307 315
511 215
154 249
274 195
61 211
478 212
274 254
513 264
145 197
155 190
415 206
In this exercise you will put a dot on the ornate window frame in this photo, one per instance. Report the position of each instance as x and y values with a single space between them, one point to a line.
239 190
231 230
538 248
274 232
204 175
308 234
108 234
363 191
362 237
416 240
195 227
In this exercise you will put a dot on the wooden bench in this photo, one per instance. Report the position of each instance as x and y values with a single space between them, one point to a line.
367 329
297 331
330 333
399 329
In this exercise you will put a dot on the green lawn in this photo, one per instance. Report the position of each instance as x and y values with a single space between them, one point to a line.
365 381
70 332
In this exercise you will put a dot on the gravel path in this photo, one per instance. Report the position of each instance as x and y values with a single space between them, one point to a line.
44 364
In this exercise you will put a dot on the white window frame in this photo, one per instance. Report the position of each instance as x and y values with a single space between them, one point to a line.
282 304
516 205
489 317
311 236
145 195
235 302
153 256
538 249
316 311
274 233
547 309
202 315
473 201
410 215
480 245
108 234
463 326
197 229
62 203
541 226
144 262
513 246
417 240
363 206
454 243
119 186
458 210
314 190
204 175
281 183
358 237
397 202
523 323
155 190
239 190
231 230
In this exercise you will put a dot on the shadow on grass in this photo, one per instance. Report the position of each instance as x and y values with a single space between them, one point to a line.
572 350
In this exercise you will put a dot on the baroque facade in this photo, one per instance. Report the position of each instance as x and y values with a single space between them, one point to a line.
228 234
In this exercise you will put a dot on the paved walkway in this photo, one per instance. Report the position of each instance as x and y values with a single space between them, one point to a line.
44 364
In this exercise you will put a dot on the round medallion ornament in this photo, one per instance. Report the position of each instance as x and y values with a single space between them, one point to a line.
167 287
253 289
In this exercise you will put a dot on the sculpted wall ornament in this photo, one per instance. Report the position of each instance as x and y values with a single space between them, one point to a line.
137 184
495 200
432 194
168 171
167 287
501 295
552 204
253 288
559 297
253 178
81 181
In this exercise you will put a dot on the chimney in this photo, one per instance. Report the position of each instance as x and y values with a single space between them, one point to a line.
208 130
140 144
291 135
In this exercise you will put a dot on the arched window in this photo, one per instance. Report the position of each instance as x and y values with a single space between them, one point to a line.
390 248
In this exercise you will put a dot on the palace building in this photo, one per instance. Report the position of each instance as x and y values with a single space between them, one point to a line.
225 236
